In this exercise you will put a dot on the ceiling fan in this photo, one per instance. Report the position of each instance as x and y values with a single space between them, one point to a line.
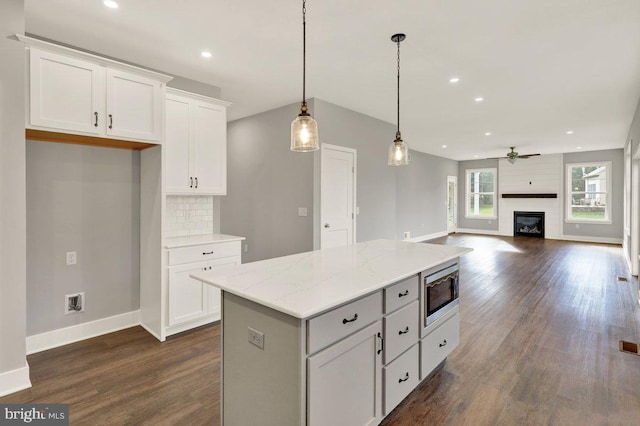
513 155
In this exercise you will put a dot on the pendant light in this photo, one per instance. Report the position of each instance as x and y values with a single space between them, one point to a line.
304 129
398 151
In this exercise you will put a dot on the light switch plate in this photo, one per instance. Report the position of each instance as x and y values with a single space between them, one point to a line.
302 211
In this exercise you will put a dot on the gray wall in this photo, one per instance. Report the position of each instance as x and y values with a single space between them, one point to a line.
12 192
266 183
375 180
84 199
615 228
421 194
463 222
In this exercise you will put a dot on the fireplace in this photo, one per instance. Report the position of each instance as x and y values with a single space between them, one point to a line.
528 224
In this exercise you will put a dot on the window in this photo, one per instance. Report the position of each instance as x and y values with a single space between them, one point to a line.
589 192
481 193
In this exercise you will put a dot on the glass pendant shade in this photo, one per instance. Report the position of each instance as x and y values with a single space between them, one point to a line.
398 153
511 160
304 134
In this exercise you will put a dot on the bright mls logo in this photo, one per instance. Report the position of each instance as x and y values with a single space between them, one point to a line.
36 414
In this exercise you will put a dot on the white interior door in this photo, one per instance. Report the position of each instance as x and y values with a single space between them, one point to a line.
337 195
452 203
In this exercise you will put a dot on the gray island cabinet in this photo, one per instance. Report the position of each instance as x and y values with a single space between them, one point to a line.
330 337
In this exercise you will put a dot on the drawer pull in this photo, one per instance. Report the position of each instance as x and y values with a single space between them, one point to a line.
404 293
443 343
110 121
204 253
381 343
96 123
405 331
406 377
191 182
355 317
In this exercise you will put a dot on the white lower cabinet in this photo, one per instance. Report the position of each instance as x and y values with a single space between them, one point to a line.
438 344
192 303
344 381
400 378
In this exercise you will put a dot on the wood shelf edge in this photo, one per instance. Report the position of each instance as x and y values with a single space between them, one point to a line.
46 136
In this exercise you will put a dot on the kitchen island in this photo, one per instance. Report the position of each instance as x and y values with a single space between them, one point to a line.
333 336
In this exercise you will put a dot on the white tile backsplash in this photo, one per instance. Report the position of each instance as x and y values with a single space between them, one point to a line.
189 215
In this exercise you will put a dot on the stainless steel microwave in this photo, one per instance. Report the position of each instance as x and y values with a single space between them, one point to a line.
441 293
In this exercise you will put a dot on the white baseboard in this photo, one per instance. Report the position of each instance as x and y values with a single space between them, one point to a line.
427 237
192 324
14 380
87 330
583 239
477 231
151 332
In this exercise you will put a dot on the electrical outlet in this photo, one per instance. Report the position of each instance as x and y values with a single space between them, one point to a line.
302 211
72 258
357 209
256 338
407 235
73 303
246 248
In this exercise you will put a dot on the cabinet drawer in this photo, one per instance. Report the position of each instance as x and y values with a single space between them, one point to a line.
438 345
332 326
401 293
400 331
400 378
181 255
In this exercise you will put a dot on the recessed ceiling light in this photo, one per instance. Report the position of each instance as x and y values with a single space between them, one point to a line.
206 54
444 146
578 147
479 99
110 4
569 132
487 133
454 80
475 156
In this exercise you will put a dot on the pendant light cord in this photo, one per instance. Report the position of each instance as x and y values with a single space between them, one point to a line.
398 86
304 51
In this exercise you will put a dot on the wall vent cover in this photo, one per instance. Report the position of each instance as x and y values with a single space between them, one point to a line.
629 347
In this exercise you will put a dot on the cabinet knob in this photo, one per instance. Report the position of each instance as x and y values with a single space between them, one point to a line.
443 343
406 377
355 317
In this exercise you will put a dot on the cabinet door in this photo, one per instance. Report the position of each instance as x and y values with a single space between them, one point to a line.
134 106
214 292
177 145
188 298
65 94
210 148
345 381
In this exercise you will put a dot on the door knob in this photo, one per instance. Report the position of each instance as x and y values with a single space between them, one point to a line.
326 225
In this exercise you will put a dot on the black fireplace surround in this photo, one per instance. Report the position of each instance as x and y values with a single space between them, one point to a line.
528 224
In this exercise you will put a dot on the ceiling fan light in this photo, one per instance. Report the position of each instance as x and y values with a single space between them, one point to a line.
512 160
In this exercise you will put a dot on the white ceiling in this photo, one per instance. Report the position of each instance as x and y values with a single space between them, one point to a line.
543 66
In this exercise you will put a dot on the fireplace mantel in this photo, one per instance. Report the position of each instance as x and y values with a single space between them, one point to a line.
532 195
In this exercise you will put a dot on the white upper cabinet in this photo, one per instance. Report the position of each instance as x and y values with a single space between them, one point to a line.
79 93
195 144
66 93
134 106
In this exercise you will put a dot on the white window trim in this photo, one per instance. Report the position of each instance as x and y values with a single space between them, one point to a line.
608 207
467 179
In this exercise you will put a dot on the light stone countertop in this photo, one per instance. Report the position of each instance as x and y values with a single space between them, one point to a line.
306 284
196 240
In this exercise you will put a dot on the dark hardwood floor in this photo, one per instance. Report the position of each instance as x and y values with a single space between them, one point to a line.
540 325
